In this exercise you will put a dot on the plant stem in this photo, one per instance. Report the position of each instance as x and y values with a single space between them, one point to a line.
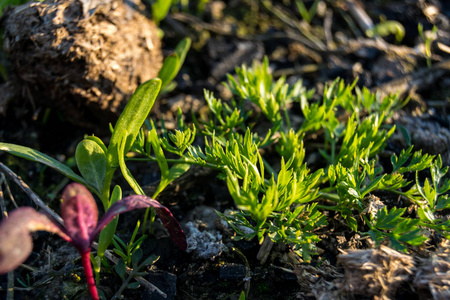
330 196
86 260
326 207
183 160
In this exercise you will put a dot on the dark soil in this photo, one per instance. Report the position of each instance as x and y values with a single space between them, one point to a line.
49 103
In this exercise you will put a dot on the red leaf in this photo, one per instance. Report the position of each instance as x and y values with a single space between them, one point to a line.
140 201
16 242
79 212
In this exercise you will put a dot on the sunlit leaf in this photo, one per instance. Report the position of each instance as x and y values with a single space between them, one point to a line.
16 242
138 202
79 212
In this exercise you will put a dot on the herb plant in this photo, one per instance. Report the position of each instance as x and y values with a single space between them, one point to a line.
286 206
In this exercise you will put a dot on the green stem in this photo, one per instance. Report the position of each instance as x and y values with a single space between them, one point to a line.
106 187
333 151
184 160
326 207
269 167
329 196
288 120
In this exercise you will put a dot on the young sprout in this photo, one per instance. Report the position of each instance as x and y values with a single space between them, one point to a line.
80 214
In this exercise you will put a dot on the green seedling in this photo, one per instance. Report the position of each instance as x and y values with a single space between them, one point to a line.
307 14
385 28
127 250
427 38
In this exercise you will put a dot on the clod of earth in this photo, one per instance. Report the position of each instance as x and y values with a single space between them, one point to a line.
84 58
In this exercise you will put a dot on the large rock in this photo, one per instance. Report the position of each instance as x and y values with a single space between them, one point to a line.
84 58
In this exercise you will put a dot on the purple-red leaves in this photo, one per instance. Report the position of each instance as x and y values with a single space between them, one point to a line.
79 213
15 239
140 201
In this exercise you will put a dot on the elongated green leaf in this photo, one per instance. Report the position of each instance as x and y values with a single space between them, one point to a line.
42 158
132 118
169 69
107 234
182 49
120 268
173 62
91 161
160 8
125 172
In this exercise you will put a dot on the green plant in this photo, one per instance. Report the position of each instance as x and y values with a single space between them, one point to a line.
126 251
286 205
385 28
137 267
96 162
307 14
427 38
277 196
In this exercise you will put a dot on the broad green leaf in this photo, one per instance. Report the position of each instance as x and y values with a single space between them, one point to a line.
177 170
150 260
352 223
91 162
425 214
120 268
134 285
136 257
132 118
42 158
443 202
98 141
396 245
414 237
388 220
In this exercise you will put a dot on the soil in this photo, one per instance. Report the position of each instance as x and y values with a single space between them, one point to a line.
71 70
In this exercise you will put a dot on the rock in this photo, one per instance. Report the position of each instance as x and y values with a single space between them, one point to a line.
84 58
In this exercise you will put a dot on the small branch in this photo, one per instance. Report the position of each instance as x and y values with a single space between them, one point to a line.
10 278
30 193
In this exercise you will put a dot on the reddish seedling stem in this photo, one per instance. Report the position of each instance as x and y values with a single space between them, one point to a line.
86 260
